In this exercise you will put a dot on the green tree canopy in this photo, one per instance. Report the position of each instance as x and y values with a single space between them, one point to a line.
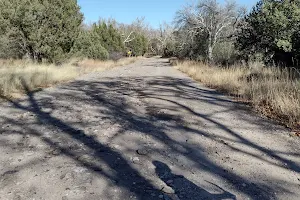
89 45
41 29
139 45
271 29
109 36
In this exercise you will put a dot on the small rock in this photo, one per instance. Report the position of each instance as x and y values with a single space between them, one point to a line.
17 197
135 160
67 176
56 152
168 190
117 147
20 144
169 181
161 196
85 158
244 184
82 188
142 152
47 110
62 176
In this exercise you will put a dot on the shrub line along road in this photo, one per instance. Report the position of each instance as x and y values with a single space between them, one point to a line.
143 131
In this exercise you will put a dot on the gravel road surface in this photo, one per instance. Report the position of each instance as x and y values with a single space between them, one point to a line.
144 131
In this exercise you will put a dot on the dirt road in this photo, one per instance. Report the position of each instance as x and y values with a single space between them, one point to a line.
144 131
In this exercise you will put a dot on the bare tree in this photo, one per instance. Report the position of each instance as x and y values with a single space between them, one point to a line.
128 38
160 38
210 18
128 31
165 35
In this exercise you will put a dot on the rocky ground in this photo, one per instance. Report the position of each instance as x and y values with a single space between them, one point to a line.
143 131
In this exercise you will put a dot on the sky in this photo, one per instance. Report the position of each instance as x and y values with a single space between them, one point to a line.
155 11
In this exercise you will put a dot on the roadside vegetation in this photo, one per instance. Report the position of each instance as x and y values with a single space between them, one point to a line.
43 43
16 74
253 56
273 91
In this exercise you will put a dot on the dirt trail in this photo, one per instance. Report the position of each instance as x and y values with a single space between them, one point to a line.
144 131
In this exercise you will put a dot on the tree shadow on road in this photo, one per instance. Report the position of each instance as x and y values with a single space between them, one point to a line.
186 189
110 97
125 174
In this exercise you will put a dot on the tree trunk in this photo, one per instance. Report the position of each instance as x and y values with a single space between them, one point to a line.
31 53
39 58
210 49
210 54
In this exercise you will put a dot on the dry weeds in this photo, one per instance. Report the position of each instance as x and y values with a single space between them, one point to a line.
14 74
273 91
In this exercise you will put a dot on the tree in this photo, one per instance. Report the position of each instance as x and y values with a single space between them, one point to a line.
42 29
138 45
190 45
162 41
271 29
135 36
88 44
110 37
210 19
128 31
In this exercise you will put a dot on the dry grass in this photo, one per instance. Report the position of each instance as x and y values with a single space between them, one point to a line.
274 92
14 74
88 65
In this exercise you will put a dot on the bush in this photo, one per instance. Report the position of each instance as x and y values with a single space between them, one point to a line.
97 51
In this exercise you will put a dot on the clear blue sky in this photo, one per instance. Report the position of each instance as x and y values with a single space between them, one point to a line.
155 11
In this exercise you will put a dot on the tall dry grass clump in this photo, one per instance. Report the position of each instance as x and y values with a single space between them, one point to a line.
14 74
273 91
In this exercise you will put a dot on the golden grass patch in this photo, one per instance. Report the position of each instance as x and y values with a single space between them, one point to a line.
14 74
273 91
